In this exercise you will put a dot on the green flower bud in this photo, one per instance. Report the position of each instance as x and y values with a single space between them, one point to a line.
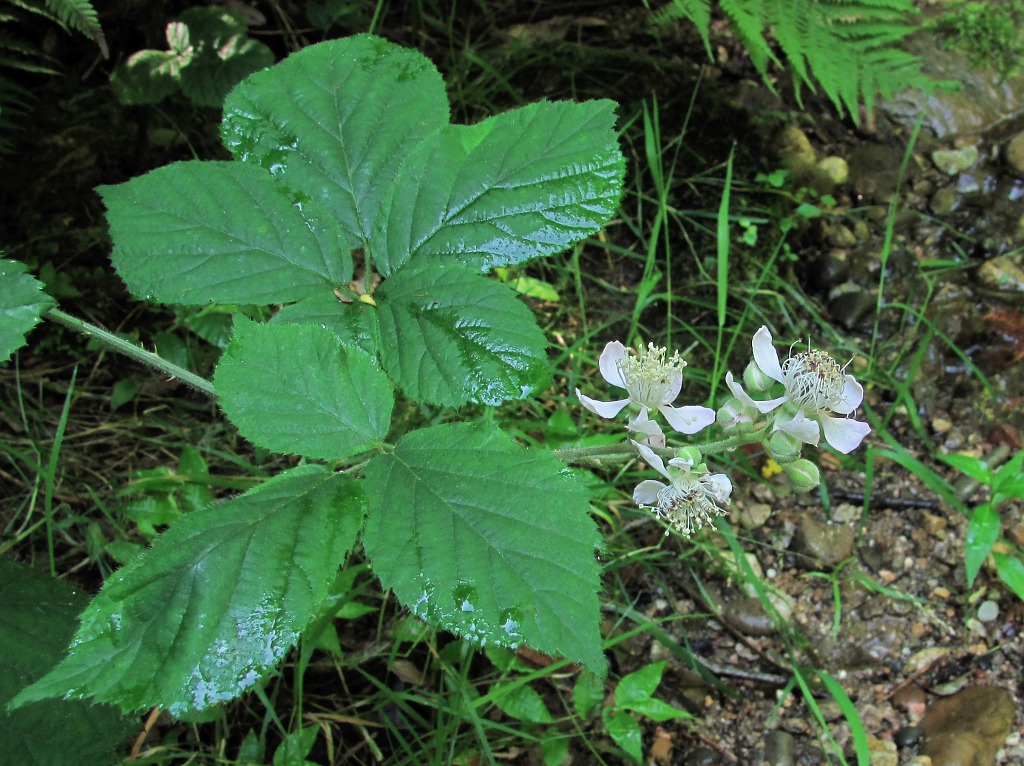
803 475
755 379
691 455
733 417
783 448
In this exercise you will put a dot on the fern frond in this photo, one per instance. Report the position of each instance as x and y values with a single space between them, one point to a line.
75 14
844 47
80 16
697 11
749 22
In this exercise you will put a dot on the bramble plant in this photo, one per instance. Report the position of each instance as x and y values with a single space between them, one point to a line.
357 209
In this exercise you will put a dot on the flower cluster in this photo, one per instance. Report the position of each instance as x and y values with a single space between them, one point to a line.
693 494
818 399
653 381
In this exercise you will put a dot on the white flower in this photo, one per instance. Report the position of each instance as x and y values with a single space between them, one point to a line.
652 433
653 382
815 386
692 495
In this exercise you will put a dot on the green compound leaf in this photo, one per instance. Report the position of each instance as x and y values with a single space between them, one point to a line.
487 539
519 185
216 602
201 232
449 336
298 389
355 323
37 619
335 121
22 304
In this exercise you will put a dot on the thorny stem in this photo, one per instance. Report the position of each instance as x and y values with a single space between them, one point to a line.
627 451
129 349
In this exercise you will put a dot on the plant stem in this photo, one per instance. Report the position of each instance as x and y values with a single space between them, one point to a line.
622 450
129 349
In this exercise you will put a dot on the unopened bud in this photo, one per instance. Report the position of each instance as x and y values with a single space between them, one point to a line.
783 448
803 475
755 378
734 417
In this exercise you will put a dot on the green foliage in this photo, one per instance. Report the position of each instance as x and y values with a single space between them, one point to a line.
336 408
37 617
22 303
20 55
80 16
635 694
847 47
209 52
989 32
217 600
348 170
455 501
1004 485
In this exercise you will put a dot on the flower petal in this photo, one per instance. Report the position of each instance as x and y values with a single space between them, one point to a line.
721 487
652 459
844 434
850 399
604 409
765 355
646 492
672 393
652 432
689 419
614 352
800 426
737 390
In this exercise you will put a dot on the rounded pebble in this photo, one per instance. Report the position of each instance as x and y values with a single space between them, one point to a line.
703 756
908 736
779 748
988 611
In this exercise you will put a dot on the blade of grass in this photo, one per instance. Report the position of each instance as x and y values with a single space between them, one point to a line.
50 477
890 229
860 737
722 273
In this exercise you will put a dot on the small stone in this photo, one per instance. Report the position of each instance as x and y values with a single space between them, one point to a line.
882 752
830 172
737 570
968 728
841 236
850 303
703 756
953 161
754 515
921 760
944 201
795 152
779 748
941 425
907 736
988 610
910 698
828 544
748 616
924 659
1002 274
1015 154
